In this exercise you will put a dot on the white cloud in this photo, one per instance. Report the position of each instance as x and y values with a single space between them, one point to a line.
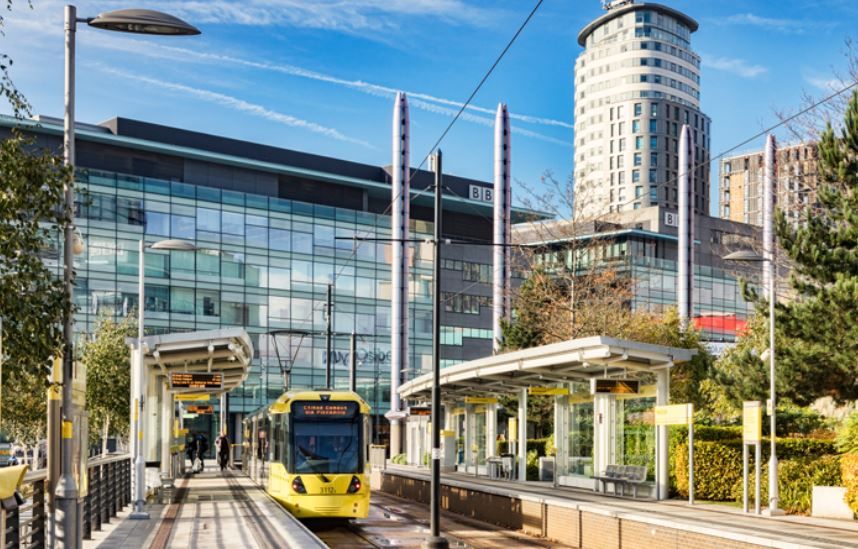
239 105
338 15
736 66
824 83
794 26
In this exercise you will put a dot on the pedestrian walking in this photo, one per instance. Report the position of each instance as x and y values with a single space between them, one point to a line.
222 447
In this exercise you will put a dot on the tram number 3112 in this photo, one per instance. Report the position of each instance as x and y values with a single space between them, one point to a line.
329 490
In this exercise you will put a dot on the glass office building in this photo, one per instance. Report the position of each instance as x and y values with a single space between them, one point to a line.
272 229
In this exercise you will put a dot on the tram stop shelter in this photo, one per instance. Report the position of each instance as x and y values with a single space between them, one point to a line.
604 391
226 351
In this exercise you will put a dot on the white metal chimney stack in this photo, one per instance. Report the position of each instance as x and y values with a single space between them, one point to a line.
502 203
401 191
685 278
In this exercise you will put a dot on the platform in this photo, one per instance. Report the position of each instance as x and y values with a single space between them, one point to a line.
209 509
578 518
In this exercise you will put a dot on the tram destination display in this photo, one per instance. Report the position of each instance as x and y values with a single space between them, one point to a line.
324 410
196 380
202 410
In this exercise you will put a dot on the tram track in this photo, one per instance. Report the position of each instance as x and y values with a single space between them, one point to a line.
263 533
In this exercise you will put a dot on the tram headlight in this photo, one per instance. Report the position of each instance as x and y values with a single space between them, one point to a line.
354 485
298 485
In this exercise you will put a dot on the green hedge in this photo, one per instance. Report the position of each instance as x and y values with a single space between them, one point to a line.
537 445
717 467
849 473
802 464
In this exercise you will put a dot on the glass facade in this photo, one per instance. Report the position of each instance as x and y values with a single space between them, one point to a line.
720 311
262 263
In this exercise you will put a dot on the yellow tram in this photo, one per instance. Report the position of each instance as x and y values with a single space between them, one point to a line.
309 450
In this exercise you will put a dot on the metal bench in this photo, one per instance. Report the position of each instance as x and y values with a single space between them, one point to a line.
622 476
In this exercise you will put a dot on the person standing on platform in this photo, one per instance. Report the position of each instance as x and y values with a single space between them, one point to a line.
222 446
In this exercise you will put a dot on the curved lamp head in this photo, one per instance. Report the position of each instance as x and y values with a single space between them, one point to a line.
143 22
174 244
744 255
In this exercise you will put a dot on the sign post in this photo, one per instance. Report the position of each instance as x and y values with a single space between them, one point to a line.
752 435
680 414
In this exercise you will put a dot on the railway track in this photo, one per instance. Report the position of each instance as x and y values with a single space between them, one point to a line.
394 522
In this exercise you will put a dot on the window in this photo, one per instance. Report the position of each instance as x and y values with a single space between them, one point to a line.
636 176
621 178
636 126
638 159
208 303
653 193
182 300
653 110
621 161
638 109
638 191
622 144
652 176
158 223
129 211
279 239
620 112
653 143
232 223
182 226
653 125
653 159
621 128
208 220
638 143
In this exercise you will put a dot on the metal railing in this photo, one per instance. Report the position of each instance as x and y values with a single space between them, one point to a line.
109 491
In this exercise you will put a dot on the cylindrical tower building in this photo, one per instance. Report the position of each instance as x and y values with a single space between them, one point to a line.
636 83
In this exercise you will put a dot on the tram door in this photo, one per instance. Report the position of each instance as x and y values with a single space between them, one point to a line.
263 448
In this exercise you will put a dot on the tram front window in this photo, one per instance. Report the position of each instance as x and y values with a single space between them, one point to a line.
326 447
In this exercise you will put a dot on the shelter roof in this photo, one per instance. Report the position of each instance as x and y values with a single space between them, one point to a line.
573 360
226 350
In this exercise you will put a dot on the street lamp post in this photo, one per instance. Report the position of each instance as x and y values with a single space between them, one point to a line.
67 518
770 282
138 373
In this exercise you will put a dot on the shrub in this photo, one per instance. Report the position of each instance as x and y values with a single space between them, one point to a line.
796 421
849 473
796 479
717 467
847 435
537 445
399 459
532 465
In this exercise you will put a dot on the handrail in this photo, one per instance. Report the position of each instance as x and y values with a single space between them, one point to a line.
109 491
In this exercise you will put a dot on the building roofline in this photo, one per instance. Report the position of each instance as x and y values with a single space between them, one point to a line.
99 134
616 12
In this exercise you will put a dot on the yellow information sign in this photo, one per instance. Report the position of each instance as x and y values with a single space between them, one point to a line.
512 429
674 414
580 398
752 421
480 400
201 397
542 391
459 411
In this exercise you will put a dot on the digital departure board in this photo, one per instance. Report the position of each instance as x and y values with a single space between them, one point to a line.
324 410
196 380
615 386
201 409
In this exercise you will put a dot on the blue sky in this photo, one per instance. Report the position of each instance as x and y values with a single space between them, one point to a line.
319 76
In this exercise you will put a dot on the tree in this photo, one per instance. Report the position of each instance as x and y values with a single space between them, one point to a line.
817 331
8 90
108 371
24 407
33 299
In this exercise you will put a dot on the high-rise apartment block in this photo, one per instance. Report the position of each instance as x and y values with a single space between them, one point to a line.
636 83
741 183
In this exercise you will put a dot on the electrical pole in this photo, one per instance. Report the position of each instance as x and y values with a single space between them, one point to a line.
435 539
329 337
353 363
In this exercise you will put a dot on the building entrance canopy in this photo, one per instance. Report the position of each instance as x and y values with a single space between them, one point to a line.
227 351
582 359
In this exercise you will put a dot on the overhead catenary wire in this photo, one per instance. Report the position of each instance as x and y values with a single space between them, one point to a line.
440 139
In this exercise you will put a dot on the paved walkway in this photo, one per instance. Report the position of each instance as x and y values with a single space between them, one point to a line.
783 531
212 509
